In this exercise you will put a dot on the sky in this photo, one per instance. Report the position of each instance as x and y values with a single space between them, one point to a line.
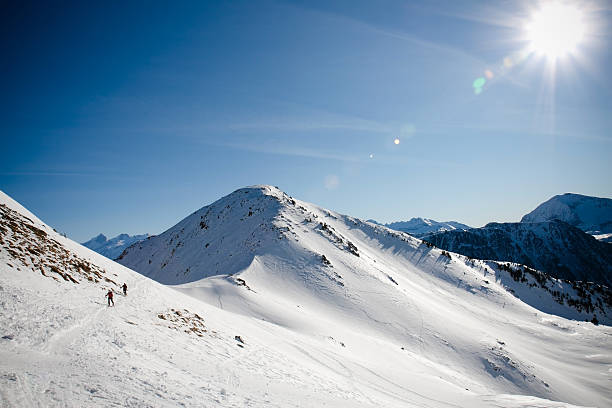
125 117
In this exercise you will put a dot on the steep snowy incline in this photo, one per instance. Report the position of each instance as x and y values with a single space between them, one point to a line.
591 214
216 239
11 204
455 322
62 346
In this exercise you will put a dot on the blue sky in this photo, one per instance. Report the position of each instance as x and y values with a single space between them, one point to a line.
127 117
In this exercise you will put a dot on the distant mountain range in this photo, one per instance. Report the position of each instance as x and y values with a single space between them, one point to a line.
558 237
554 247
419 227
112 248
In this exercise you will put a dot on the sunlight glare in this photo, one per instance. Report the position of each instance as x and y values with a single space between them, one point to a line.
555 30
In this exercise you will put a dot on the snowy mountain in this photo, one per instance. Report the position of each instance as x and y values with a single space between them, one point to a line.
112 248
591 214
419 227
554 247
301 307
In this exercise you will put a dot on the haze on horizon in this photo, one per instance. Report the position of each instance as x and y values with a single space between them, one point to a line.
127 117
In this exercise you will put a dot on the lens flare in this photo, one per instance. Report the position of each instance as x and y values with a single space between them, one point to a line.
555 30
396 141
478 84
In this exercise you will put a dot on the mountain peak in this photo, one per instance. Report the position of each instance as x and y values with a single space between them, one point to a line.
261 189
254 192
249 221
96 242
591 214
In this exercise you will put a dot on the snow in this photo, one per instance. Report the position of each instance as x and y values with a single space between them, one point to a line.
419 227
112 248
554 247
14 205
591 214
400 325
603 237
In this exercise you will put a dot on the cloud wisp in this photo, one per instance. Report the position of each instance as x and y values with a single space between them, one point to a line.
297 151
297 125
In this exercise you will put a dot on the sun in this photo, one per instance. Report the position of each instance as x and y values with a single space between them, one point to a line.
556 30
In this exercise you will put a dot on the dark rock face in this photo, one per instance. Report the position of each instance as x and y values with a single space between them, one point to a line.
554 247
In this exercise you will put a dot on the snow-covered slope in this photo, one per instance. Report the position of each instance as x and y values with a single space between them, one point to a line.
554 247
329 270
591 214
381 320
419 227
112 248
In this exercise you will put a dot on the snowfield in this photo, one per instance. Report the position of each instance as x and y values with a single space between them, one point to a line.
290 306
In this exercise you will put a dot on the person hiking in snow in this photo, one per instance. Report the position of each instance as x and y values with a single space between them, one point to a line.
109 295
124 287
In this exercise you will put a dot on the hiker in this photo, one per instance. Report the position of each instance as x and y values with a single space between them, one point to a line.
109 295
124 289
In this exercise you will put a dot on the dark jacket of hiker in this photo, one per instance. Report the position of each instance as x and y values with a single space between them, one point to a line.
109 295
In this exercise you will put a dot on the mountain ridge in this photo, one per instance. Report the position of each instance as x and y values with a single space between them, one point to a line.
593 215
554 247
112 248
330 311
232 235
419 227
